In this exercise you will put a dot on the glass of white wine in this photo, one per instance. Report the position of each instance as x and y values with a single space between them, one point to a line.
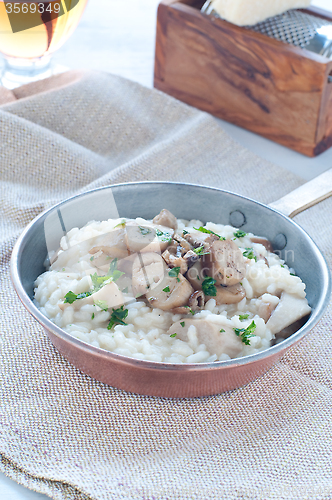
30 31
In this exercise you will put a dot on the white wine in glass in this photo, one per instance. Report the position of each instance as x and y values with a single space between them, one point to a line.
30 32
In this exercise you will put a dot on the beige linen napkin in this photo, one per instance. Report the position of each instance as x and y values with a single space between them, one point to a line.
71 437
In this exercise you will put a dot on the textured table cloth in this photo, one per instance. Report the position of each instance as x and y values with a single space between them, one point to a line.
71 437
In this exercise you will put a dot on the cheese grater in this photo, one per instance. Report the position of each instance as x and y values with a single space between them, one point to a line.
294 27
273 78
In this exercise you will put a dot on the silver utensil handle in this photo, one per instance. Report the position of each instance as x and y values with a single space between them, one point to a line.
305 196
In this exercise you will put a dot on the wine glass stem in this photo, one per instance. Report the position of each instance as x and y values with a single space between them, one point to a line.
17 71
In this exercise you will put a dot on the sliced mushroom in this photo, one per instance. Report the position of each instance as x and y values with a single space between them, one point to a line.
170 293
108 296
175 261
229 294
190 258
290 309
203 239
111 244
148 271
166 218
184 243
265 310
147 238
195 275
217 339
196 300
262 241
225 263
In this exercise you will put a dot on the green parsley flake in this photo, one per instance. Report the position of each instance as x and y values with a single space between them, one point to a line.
281 265
93 316
208 287
184 232
182 324
166 289
173 335
144 230
91 258
164 236
121 224
249 253
222 330
102 304
292 274
200 251
208 231
174 273
70 297
199 279
117 317
246 333
243 316
240 234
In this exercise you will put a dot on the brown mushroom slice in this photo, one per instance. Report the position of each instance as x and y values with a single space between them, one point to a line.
166 218
202 239
217 339
195 275
175 261
112 244
170 293
228 294
290 309
262 241
196 300
265 310
147 237
225 263
184 243
148 271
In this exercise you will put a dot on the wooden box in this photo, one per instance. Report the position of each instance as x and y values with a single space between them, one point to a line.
275 89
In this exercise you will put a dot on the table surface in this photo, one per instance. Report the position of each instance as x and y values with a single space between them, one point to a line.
119 38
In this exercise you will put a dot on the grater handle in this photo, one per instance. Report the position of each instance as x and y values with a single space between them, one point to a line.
305 196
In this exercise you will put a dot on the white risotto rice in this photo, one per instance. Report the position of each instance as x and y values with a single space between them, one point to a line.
273 299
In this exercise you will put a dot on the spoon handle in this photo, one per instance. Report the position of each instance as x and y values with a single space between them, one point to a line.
305 196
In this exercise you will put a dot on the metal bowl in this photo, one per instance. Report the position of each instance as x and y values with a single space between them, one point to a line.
186 201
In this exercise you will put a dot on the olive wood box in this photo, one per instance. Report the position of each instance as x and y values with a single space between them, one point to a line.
272 88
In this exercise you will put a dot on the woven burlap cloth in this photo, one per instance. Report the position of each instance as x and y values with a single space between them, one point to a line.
71 437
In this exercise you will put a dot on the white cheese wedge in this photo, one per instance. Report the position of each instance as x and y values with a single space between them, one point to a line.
249 12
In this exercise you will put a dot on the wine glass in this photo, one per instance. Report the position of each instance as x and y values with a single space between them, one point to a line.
30 31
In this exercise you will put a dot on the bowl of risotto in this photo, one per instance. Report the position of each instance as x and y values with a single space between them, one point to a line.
168 289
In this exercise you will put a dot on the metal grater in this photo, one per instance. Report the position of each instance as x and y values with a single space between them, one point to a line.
293 27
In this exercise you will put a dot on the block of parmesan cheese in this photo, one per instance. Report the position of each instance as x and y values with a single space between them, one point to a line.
249 12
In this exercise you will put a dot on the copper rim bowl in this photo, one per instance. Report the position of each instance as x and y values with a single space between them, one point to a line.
186 201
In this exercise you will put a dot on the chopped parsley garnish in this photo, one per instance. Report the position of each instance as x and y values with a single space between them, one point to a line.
93 316
184 232
144 230
246 333
208 231
182 324
173 335
239 234
97 283
174 273
281 265
243 316
164 236
102 304
121 224
125 290
249 253
117 317
200 251
222 330
166 289
292 274
208 287
70 297
91 258
199 279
